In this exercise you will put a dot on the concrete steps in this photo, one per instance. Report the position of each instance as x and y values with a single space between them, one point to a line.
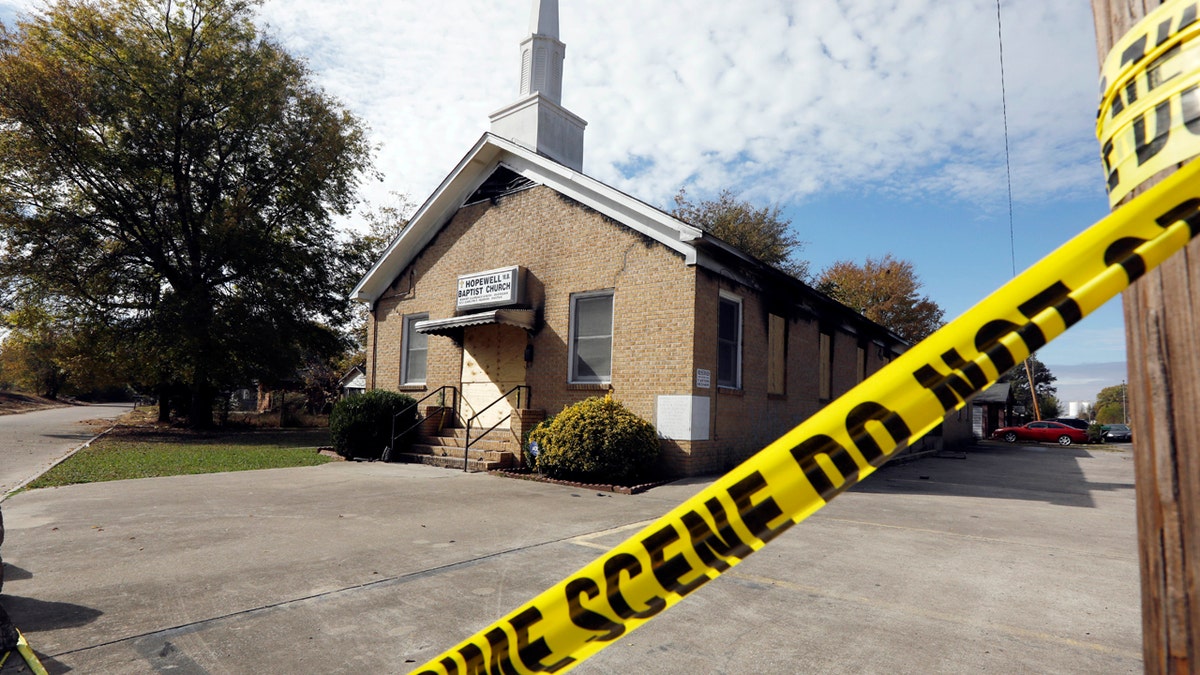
497 450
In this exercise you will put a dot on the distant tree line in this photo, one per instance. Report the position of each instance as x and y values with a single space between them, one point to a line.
885 290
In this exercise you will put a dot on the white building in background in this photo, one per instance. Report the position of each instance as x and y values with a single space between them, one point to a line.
1076 408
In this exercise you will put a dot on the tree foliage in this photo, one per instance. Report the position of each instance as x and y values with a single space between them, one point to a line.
1111 405
760 231
885 290
1043 384
384 222
362 426
172 170
52 352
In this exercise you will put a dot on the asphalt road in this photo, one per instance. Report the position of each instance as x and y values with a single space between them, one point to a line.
30 443
1012 559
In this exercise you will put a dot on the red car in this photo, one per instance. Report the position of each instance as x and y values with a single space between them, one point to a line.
1042 432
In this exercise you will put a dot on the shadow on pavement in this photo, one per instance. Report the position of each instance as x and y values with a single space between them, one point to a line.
14 573
15 665
31 615
1044 473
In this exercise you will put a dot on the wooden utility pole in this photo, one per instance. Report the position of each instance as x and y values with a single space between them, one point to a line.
1162 328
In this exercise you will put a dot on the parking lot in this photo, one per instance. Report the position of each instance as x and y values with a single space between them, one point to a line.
1007 558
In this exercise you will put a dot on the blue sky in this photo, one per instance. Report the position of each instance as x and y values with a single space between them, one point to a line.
875 124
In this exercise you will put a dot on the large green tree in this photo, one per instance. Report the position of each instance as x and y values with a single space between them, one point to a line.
885 290
761 231
173 169
1043 384
1111 405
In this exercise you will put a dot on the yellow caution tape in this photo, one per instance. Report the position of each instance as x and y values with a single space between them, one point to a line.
26 652
847 440
1149 117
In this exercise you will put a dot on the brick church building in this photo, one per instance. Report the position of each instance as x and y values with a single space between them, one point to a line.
522 285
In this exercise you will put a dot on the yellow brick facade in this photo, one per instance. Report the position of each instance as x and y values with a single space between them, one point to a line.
664 323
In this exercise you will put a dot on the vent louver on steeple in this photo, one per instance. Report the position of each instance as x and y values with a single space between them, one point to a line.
537 120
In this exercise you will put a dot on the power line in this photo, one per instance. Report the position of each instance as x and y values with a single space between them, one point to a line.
1012 239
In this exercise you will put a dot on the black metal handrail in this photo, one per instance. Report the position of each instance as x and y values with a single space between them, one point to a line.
420 419
505 395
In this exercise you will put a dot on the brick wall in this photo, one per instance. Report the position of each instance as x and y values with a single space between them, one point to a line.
746 419
665 323
566 248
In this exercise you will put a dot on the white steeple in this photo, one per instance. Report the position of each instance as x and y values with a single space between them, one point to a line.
544 19
537 119
542 53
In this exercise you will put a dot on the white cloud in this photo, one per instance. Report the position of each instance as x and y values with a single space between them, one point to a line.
1083 382
777 98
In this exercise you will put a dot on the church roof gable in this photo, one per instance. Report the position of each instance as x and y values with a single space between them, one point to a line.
495 165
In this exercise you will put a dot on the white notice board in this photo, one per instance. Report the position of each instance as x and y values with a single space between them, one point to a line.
682 418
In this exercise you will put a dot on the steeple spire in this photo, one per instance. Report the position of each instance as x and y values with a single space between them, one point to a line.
544 20
537 120
542 53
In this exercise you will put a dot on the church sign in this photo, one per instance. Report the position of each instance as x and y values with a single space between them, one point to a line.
494 288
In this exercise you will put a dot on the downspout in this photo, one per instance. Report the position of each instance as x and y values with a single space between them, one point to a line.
374 328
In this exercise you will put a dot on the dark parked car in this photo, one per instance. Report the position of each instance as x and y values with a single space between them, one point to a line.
1116 433
1042 432
1072 422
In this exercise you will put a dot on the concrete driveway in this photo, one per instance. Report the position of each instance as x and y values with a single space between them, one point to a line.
1010 559
32 442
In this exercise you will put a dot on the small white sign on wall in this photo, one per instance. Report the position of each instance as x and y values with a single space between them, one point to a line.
682 418
703 378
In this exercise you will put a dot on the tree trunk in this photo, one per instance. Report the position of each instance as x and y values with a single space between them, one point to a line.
201 348
164 402
1162 320
200 412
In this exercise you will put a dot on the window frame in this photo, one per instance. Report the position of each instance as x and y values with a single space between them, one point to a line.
825 366
777 336
860 364
573 336
726 297
410 320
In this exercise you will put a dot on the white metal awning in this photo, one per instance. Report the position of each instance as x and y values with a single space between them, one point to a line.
521 318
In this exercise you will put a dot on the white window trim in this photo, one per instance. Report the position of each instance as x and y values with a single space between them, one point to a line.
612 330
741 317
409 321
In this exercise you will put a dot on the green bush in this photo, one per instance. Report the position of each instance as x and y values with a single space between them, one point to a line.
528 450
596 439
361 426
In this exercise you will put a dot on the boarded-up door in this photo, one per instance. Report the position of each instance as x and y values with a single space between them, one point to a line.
493 363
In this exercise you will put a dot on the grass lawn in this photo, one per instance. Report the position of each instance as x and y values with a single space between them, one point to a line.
134 452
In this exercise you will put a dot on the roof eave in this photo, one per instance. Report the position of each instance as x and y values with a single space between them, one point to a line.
488 152
424 224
